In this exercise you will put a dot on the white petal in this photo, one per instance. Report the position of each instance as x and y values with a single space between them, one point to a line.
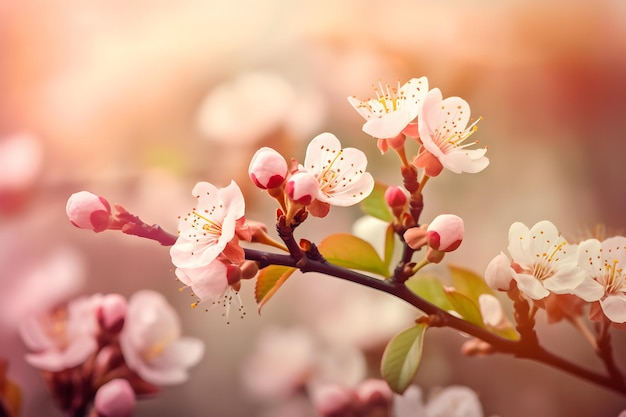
614 307
415 91
589 256
465 160
589 290
490 309
388 125
361 106
518 243
565 280
321 152
429 119
531 286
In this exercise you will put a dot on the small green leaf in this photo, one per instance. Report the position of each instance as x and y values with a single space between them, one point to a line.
430 289
348 251
269 281
468 283
402 357
375 204
467 308
390 242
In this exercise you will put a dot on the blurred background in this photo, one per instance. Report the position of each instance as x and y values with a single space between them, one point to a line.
138 100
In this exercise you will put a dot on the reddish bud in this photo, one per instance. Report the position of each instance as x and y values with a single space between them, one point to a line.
415 237
445 232
116 398
89 211
302 188
111 312
268 169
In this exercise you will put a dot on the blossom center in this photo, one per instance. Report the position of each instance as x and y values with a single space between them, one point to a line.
543 269
328 177
449 137
209 226
614 279
389 97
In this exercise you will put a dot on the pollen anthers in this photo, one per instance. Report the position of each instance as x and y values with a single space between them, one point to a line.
208 225
328 177
451 135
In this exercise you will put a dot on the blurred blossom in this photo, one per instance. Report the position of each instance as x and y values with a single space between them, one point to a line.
254 105
281 363
64 337
21 163
21 158
452 401
34 283
151 341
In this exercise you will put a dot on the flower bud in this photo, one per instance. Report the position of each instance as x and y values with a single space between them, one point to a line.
268 169
116 398
111 312
302 188
396 199
374 393
445 232
499 273
89 211
331 400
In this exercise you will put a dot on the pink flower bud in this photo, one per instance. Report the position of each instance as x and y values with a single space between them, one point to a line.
332 400
445 232
302 188
396 199
111 312
374 392
116 398
88 211
499 273
268 169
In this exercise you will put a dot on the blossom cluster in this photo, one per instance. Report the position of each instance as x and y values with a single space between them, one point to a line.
104 351
439 125
544 267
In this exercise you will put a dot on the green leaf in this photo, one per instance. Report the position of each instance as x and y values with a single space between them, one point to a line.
469 283
348 251
375 204
390 242
402 357
269 281
466 307
430 289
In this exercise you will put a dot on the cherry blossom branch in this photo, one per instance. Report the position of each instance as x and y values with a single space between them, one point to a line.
436 316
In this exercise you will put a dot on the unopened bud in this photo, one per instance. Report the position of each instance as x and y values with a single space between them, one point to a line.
116 398
249 269
268 169
373 393
89 211
445 232
302 187
111 312
396 199
499 273
332 400
233 274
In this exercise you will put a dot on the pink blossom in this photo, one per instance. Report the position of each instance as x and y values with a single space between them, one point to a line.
212 228
116 398
443 130
340 172
605 263
151 341
389 115
21 157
